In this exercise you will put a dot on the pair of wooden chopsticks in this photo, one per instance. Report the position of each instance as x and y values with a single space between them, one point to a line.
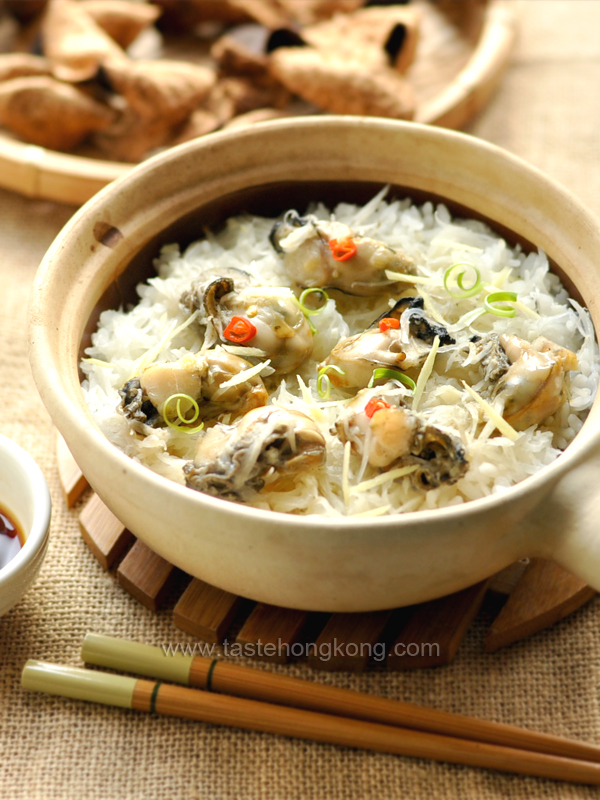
242 697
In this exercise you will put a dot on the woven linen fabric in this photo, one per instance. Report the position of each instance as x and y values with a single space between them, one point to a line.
547 110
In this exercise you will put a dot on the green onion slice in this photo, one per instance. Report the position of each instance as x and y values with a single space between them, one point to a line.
324 381
462 291
310 311
500 297
180 417
391 374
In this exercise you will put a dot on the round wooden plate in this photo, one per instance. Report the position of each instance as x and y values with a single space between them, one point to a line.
463 51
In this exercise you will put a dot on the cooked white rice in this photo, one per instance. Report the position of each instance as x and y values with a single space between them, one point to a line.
155 331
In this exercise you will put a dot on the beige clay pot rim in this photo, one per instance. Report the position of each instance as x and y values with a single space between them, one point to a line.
73 411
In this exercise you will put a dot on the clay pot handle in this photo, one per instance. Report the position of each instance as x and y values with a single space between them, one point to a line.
567 522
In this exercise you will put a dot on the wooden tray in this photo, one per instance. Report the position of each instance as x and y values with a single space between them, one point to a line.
464 49
525 598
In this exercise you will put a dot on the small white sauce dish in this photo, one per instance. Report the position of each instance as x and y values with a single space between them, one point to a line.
25 496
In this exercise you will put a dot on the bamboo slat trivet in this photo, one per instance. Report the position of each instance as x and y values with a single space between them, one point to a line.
535 594
545 594
272 625
444 621
359 632
205 611
146 575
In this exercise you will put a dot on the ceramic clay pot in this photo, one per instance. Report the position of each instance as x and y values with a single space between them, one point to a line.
316 563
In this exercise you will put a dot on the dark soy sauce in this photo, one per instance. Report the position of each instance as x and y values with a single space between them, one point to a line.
11 538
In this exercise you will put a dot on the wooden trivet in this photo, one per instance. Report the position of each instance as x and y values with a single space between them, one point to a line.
533 594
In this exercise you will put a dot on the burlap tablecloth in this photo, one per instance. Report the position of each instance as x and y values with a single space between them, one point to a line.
547 111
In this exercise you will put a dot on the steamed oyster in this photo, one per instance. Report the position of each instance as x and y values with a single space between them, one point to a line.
265 317
392 436
492 357
233 460
199 378
403 347
535 384
330 255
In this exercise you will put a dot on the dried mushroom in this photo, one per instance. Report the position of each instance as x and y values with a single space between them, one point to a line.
200 122
268 12
168 89
309 11
242 51
352 64
233 96
130 138
122 20
265 59
49 113
25 12
371 36
22 65
341 86
74 43
279 13
246 82
181 16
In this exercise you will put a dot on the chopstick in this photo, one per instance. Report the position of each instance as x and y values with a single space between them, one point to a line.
222 677
179 701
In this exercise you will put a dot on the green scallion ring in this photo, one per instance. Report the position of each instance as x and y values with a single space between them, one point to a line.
323 386
464 291
310 311
323 378
500 297
391 374
186 421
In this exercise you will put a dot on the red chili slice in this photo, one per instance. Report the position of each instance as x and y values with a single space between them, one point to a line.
388 322
342 249
374 405
240 330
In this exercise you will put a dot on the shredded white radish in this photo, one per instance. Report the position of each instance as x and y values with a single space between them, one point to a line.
154 352
244 375
373 512
401 276
266 292
97 362
345 473
425 373
502 277
502 425
245 352
385 477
